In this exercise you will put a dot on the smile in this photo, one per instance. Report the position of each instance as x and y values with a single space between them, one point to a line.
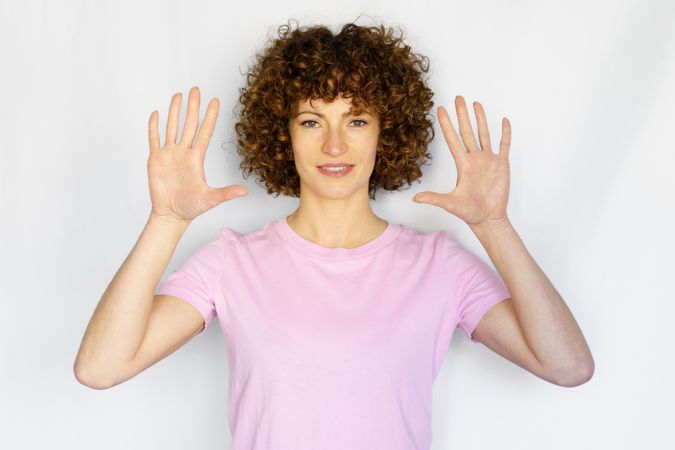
335 172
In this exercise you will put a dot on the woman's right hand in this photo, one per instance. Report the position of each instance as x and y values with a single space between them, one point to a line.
178 188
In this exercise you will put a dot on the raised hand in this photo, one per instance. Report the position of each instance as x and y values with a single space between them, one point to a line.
178 188
482 190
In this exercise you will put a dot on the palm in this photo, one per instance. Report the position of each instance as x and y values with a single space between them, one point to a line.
180 183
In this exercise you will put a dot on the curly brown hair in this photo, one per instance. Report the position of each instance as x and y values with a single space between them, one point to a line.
370 65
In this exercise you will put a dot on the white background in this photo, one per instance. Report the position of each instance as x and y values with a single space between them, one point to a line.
589 88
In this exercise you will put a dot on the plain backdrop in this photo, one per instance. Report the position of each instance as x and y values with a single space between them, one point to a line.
589 88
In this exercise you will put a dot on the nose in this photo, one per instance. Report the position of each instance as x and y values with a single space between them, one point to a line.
334 145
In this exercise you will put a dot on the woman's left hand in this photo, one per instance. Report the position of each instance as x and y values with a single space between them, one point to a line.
482 190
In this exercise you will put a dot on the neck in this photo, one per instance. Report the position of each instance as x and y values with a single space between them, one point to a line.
337 226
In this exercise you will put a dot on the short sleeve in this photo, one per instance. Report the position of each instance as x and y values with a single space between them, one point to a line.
197 280
478 286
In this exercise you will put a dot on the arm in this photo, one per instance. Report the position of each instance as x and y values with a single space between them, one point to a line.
534 328
129 330
119 321
538 313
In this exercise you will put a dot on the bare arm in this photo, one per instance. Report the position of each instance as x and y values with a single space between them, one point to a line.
119 321
534 329
131 328
548 337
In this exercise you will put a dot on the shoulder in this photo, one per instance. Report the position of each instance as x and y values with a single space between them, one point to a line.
429 245
442 246
232 239
413 235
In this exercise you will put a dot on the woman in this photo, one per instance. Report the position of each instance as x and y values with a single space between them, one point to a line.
336 320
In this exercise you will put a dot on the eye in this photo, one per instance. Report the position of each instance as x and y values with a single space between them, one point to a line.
309 121
362 124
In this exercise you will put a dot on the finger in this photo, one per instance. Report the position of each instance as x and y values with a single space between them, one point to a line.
505 144
153 134
450 135
432 198
483 134
209 123
226 193
192 117
172 121
465 124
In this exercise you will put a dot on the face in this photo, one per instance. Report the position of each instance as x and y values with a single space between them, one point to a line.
328 133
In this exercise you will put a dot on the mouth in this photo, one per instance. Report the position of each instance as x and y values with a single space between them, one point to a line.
335 170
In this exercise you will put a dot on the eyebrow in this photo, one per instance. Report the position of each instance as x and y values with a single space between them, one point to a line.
321 115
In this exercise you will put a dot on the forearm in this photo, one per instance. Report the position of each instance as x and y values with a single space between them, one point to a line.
120 319
547 323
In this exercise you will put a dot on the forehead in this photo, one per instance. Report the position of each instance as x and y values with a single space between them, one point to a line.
319 103
340 103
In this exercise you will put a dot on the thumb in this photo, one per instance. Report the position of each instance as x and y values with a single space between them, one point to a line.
224 194
431 198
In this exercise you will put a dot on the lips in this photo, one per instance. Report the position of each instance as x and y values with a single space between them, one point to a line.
335 171
336 165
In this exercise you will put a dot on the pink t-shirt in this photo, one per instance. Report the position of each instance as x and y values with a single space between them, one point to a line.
335 348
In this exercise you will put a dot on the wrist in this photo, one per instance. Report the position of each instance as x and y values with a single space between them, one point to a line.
168 220
491 225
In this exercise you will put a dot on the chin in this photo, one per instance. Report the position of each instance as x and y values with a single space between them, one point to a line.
335 192
338 193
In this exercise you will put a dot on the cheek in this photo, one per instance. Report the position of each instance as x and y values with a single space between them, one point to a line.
373 146
297 145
